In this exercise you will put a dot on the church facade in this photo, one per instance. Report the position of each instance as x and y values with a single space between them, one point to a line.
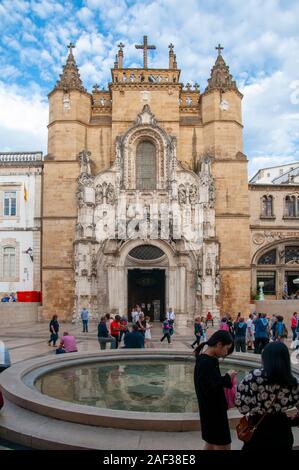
145 194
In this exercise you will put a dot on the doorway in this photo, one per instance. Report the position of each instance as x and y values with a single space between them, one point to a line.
146 287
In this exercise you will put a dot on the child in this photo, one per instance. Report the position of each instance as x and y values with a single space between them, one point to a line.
166 331
148 335
123 328
197 331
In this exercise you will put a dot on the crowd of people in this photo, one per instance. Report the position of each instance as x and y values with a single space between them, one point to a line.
114 330
263 396
254 333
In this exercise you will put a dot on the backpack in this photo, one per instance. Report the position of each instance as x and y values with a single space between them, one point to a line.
224 326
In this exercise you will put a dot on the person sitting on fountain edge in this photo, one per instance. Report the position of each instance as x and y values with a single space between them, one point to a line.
134 339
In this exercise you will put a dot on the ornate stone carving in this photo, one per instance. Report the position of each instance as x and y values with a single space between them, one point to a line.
258 238
182 194
146 117
269 236
110 194
94 266
99 194
199 282
193 194
217 282
80 197
212 195
208 266
220 76
85 180
70 77
84 158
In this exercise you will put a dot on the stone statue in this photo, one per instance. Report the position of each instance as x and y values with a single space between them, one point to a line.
217 282
99 194
198 282
94 266
212 195
110 194
80 197
182 194
208 267
84 158
193 194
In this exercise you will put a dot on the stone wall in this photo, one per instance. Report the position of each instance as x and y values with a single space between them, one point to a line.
286 308
18 312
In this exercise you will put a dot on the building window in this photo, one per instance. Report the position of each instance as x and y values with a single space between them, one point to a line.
267 206
10 203
291 206
292 254
146 166
9 262
268 258
269 280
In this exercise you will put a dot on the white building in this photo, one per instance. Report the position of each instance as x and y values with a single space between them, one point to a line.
20 221
282 174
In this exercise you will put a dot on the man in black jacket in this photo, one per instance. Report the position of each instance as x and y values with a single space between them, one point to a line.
103 335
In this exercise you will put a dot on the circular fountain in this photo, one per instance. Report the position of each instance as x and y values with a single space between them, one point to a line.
124 389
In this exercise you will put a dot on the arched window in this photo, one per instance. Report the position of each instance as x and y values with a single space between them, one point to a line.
268 258
146 166
290 206
267 206
9 262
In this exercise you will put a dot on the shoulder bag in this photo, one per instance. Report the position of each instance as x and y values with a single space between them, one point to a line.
245 430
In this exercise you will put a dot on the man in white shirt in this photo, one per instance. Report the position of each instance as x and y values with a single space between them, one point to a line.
250 332
170 315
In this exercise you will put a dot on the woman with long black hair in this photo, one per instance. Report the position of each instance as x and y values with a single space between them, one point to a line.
209 386
267 393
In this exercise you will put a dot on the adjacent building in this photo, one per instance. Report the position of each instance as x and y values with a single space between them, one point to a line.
274 225
20 222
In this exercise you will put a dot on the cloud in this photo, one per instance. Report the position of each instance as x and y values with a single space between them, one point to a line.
260 39
23 119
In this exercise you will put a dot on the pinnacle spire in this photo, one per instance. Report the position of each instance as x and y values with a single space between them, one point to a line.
70 77
220 76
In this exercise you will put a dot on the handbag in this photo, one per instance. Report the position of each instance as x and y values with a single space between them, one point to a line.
245 430
230 394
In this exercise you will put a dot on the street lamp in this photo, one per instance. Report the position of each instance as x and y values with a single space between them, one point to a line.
29 252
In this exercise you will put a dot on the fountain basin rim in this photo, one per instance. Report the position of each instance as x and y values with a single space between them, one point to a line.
13 382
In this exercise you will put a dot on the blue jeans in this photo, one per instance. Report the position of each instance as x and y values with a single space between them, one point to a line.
103 341
54 338
85 326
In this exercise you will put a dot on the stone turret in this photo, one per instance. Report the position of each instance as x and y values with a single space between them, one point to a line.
220 76
70 77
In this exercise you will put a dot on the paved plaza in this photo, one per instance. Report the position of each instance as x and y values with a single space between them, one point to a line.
30 341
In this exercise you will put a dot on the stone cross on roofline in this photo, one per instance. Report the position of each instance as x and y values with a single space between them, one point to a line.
219 48
71 47
145 48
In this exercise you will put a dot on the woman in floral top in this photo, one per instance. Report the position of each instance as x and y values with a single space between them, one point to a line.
272 390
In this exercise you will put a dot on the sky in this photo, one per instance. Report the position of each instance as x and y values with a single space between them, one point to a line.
260 40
